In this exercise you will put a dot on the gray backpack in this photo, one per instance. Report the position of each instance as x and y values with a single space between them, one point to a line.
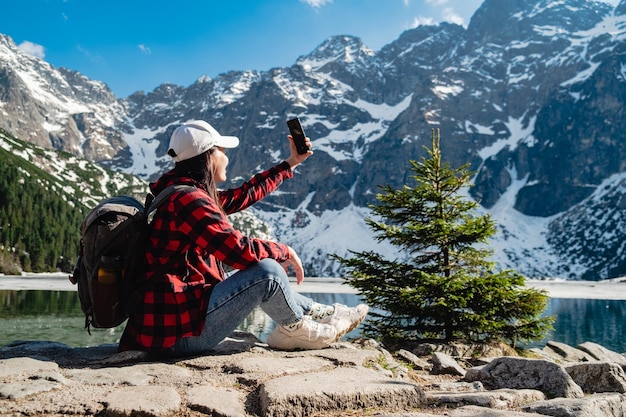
111 260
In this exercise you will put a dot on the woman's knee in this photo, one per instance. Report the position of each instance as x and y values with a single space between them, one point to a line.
272 269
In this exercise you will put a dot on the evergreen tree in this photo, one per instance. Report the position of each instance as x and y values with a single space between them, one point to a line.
443 285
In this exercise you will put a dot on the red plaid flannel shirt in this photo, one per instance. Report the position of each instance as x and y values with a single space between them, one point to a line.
193 238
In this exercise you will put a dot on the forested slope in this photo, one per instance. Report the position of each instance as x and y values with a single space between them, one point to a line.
39 228
44 196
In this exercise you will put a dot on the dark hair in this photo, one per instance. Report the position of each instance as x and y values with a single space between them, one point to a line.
200 168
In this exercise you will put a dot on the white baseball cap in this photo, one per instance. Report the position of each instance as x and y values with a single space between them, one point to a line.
195 137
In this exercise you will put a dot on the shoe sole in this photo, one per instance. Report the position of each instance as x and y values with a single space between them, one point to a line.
293 343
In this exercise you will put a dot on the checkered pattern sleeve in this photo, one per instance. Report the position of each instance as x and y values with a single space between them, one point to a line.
206 226
237 199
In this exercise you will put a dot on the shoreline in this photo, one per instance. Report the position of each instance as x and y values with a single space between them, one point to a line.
613 289
610 289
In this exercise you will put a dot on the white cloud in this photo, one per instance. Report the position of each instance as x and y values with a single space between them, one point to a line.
33 49
451 16
453 11
421 20
144 49
317 3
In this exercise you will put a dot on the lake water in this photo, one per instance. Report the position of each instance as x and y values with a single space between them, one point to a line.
56 316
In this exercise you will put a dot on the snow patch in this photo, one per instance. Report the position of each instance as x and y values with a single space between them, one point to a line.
143 145
518 133
527 234
361 135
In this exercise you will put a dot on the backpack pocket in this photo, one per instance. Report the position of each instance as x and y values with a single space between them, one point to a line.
107 306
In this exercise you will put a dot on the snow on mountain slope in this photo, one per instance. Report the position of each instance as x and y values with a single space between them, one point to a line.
143 149
597 225
360 135
521 241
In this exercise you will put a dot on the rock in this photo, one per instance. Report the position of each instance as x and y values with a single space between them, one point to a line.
34 385
216 401
407 415
500 399
149 401
28 376
391 365
417 362
463 350
136 374
347 354
16 366
521 373
547 354
594 377
339 389
596 405
567 353
455 386
603 354
444 364
476 411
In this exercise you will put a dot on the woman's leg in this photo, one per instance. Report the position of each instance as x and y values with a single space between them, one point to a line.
266 285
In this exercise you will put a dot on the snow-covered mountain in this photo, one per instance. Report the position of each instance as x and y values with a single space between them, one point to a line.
531 94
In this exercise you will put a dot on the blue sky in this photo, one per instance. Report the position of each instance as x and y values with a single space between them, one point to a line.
136 45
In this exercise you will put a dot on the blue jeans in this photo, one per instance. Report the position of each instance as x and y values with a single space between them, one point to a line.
265 285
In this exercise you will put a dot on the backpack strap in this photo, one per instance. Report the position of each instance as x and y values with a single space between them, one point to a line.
152 204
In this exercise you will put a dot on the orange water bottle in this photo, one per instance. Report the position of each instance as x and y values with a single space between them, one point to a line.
107 272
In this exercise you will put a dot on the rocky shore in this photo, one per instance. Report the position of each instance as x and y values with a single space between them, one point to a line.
243 377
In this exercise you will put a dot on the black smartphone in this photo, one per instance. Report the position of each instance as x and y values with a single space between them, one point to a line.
297 133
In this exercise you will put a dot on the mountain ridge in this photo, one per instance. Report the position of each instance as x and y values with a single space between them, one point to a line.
523 94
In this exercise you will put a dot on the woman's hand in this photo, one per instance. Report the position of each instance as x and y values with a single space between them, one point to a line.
296 159
295 262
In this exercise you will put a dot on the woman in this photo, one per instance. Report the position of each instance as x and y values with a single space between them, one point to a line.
189 305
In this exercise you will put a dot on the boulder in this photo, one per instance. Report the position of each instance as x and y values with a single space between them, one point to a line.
444 364
521 373
594 377
567 353
596 405
603 354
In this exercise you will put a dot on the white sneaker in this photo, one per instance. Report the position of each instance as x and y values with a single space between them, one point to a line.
343 318
307 334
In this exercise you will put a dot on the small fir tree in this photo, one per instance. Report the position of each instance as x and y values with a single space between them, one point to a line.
443 287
